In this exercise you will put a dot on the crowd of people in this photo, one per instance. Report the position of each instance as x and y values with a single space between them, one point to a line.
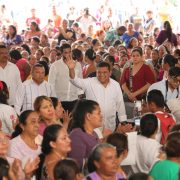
70 98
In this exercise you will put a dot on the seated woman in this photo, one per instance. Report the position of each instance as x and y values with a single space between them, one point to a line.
55 146
119 141
23 145
34 31
86 117
43 105
14 166
8 115
148 148
12 38
136 79
67 169
103 163
168 169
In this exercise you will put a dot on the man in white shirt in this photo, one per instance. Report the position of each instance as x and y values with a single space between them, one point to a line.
103 90
9 73
59 77
170 87
32 88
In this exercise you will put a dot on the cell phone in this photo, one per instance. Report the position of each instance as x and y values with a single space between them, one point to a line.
137 121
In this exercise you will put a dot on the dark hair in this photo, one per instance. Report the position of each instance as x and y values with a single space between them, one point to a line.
22 120
156 50
36 39
44 58
3 47
15 54
174 71
117 43
148 125
175 128
79 112
156 97
46 67
137 49
168 29
103 64
94 41
65 46
66 169
130 43
118 140
172 145
90 53
170 60
177 51
54 101
41 51
4 93
149 46
14 33
50 134
111 59
37 65
76 53
26 47
4 168
36 25
139 176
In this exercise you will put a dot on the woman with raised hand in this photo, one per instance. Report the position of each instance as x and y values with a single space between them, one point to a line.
43 105
55 146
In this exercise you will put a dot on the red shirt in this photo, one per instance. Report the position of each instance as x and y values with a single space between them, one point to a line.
140 79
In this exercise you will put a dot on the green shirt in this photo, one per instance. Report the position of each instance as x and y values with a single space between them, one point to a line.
165 170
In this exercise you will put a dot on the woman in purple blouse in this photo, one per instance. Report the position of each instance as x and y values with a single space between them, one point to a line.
86 117
166 35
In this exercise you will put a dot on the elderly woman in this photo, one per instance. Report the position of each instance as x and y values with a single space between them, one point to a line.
103 163
23 145
14 166
86 117
55 146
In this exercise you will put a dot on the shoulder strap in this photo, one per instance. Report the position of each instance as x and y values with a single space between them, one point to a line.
131 77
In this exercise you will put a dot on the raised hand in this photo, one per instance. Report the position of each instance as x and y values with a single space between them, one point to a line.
70 62
66 118
15 170
31 166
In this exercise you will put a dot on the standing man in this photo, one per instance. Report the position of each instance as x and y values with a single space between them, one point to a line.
9 73
32 88
59 76
103 90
